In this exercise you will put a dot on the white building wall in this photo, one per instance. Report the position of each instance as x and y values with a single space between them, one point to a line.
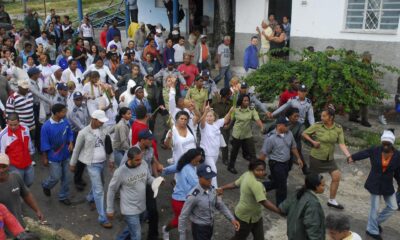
249 14
325 19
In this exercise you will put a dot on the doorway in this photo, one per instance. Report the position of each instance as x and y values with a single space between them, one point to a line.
195 14
280 8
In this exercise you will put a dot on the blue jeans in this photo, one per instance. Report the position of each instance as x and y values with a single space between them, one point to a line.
118 155
133 229
59 171
375 218
27 174
226 73
96 194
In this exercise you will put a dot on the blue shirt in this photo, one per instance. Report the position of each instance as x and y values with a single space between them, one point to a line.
111 33
250 58
63 63
55 138
168 54
133 105
186 180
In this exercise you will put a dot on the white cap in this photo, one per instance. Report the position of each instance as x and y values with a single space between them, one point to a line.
388 136
4 159
55 68
158 30
23 83
100 115
203 36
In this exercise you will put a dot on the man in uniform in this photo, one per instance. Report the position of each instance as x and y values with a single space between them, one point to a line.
300 102
200 207
61 95
278 145
209 85
78 117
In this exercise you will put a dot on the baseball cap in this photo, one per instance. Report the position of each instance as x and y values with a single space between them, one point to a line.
145 134
170 62
205 73
62 86
282 120
100 115
158 30
4 159
303 88
77 95
243 85
203 36
33 71
205 171
23 83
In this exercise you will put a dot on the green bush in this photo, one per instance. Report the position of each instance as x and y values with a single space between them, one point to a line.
335 77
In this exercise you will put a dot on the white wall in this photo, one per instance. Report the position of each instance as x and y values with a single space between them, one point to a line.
325 19
249 14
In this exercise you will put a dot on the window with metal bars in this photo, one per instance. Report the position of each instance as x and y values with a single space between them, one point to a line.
373 15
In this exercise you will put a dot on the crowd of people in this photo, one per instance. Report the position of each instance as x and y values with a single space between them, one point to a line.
85 102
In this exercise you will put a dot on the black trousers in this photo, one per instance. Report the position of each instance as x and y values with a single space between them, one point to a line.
38 126
279 175
202 232
79 168
134 15
247 146
256 229
226 133
152 214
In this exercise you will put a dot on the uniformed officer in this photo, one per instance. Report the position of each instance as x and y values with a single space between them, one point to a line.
254 101
300 102
78 117
277 146
209 84
200 207
61 95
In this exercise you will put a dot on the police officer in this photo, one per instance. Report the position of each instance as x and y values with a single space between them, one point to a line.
78 117
254 101
277 146
61 95
300 102
209 84
200 207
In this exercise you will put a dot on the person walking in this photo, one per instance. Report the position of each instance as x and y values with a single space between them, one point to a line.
200 207
202 55
15 141
223 62
277 146
91 150
121 134
56 145
323 136
248 211
242 136
304 212
385 165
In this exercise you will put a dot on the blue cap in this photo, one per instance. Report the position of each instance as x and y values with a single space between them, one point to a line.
170 62
33 71
77 95
205 73
282 120
303 88
205 171
62 86
244 85
145 134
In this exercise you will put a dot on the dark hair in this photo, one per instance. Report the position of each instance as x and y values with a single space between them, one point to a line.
58 107
72 60
310 48
253 37
94 74
188 156
141 112
97 58
312 181
66 17
337 222
292 79
133 152
97 49
166 40
291 111
122 111
240 99
12 117
330 110
254 164
180 113
149 75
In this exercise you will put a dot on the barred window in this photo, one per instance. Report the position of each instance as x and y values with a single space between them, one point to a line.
373 15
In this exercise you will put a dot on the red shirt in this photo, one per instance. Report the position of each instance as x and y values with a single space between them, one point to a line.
137 127
286 95
103 39
191 70
7 219
17 145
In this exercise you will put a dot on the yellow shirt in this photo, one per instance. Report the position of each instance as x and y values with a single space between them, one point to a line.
265 42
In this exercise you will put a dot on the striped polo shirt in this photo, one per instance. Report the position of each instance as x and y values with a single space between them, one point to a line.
23 106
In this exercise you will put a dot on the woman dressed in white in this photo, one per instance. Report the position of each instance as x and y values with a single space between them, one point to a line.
72 73
109 105
92 91
211 137
104 71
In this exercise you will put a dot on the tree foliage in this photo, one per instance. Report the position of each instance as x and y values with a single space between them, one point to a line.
337 77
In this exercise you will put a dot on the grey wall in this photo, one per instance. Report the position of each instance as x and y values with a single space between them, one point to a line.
242 41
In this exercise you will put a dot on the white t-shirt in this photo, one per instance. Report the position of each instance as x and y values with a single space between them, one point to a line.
180 144
77 78
95 92
87 31
354 236
210 137
179 51
99 153
225 53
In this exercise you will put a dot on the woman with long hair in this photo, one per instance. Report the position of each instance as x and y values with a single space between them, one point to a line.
105 74
323 136
304 212
121 142
92 92
186 179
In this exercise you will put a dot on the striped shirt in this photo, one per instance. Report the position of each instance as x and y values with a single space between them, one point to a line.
23 106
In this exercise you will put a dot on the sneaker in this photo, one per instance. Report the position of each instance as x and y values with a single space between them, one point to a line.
382 120
232 170
165 234
338 206
33 163
66 202
374 236
365 123
47 191
107 225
